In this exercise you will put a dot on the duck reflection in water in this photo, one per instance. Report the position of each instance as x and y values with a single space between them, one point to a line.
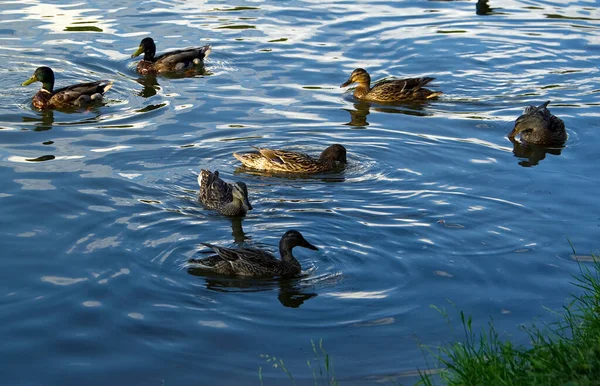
358 116
533 153
291 292
43 121
150 84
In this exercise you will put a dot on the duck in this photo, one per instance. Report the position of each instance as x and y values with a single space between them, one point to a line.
387 91
538 126
169 61
294 162
256 262
227 199
74 96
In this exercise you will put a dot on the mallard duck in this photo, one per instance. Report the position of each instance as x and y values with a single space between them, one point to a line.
227 199
538 126
77 95
293 162
169 61
256 262
387 91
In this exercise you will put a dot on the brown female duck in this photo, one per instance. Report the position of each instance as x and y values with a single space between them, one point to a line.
538 126
387 91
227 199
256 262
169 61
74 96
294 162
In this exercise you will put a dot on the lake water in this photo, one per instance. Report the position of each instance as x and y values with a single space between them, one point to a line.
99 211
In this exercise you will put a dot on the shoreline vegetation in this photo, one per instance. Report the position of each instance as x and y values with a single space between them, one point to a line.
566 352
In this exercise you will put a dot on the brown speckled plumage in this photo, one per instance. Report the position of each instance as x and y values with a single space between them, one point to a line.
169 61
227 199
386 91
294 162
537 125
256 262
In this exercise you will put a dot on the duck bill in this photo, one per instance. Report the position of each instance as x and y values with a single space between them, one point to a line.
246 203
29 81
308 245
346 83
513 133
138 52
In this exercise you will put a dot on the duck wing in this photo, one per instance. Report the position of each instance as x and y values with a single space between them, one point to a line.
246 261
283 157
181 58
213 190
405 84
70 94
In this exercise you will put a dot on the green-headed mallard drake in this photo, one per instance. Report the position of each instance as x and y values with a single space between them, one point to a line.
77 95
387 91
293 162
538 126
256 262
169 61
227 199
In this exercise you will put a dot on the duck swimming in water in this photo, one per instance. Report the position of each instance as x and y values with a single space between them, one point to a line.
256 262
77 95
227 199
169 61
387 91
294 162
538 126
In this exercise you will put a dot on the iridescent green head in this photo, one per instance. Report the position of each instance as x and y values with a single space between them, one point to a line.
44 75
148 48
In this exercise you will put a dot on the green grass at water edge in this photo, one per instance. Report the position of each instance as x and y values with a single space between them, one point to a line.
322 372
563 353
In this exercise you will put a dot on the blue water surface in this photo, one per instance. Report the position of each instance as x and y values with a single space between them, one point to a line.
436 205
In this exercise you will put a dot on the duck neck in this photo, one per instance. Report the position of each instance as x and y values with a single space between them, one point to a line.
285 251
149 54
233 207
48 85
362 89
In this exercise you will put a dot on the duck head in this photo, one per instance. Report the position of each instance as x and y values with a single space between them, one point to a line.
334 153
293 239
147 47
44 75
359 76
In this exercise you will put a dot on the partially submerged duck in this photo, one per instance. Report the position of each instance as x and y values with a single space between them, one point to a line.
397 90
227 199
256 262
294 162
537 125
169 61
77 95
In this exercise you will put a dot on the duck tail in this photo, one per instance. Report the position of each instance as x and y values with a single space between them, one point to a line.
203 52
434 94
106 86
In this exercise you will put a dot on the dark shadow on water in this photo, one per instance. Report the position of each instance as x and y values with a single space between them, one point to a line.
358 116
239 236
533 154
291 294
48 118
44 121
325 177
150 84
